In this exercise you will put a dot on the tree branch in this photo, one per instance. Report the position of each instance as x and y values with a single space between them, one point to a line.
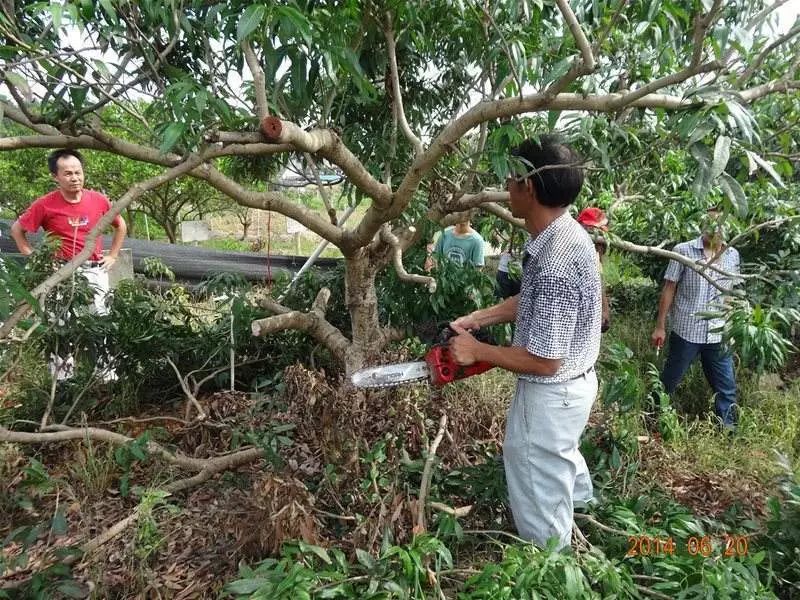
506 49
190 397
397 257
759 91
324 191
395 82
313 322
60 433
761 16
754 66
206 467
259 80
687 262
328 145
578 34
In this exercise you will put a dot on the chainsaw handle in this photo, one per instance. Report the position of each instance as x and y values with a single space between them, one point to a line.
444 369
447 333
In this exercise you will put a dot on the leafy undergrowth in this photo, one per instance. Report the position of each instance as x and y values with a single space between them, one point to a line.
333 504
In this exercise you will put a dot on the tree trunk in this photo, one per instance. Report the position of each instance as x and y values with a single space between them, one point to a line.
130 221
362 303
245 228
170 229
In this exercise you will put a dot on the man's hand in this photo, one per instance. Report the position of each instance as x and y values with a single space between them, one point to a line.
465 322
464 348
658 337
108 261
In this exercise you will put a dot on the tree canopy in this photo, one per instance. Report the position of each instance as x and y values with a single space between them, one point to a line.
675 105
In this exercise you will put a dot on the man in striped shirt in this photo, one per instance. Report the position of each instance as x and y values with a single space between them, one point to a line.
685 296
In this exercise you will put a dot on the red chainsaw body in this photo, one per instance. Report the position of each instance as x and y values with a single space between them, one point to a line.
443 369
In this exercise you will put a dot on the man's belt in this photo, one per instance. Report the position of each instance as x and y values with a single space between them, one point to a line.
584 374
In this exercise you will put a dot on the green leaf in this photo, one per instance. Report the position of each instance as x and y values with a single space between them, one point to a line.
250 20
321 552
72 589
245 586
699 133
108 7
701 154
767 166
743 119
365 558
59 523
298 20
733 190
702 183
573 581
172 133
56 10
559 70
722 153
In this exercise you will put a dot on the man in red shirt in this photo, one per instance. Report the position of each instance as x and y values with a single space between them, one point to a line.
69 213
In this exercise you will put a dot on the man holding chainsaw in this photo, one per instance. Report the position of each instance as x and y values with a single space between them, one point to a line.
556 343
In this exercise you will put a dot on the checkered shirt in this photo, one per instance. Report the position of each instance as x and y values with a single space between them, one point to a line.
559 312
694 294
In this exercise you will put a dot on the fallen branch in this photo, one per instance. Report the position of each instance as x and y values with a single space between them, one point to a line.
59 433
497 532
427 473
461 511
207 467
191 399
599 525
652 593
213 466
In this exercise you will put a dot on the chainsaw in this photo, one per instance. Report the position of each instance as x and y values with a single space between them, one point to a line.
437 367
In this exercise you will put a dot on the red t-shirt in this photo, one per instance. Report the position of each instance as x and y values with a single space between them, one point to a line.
71 223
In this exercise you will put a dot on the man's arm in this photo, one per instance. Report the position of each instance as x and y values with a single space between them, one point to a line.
664 304
504 312
21 239
120 231
467 350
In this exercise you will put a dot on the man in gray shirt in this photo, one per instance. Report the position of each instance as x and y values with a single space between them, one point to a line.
556 343
687 293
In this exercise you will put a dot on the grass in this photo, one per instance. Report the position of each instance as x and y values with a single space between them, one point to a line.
93 466
768 432
768 428
279 246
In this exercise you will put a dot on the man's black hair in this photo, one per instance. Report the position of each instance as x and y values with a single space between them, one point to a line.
555 185
52 160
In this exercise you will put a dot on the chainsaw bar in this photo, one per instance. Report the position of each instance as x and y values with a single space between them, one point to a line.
386 376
